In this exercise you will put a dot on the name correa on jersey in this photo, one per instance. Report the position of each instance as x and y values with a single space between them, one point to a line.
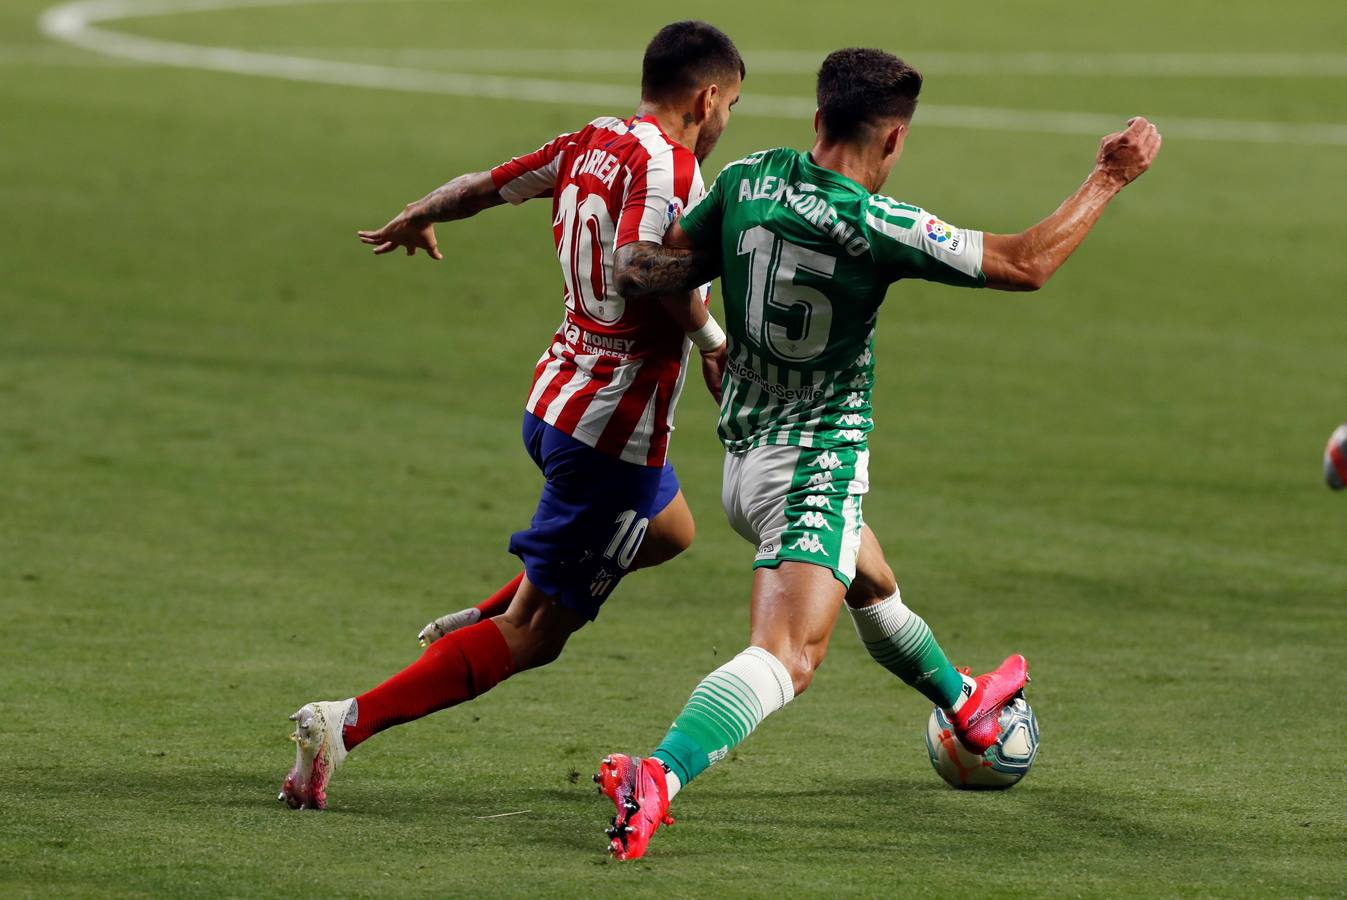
612 376
808 257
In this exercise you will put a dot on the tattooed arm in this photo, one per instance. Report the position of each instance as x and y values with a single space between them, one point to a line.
671 275
643 269
414 227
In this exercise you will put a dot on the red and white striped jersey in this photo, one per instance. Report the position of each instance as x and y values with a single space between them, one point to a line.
613 374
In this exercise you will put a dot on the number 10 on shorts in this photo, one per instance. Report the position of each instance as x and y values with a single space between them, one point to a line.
626 538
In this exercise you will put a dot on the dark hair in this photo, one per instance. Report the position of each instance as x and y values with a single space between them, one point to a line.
684 57
858 88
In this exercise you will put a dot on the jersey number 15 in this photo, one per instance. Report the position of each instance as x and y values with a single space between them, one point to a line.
773 295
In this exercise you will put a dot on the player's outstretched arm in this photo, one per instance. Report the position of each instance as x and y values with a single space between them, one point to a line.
414 228
1025 261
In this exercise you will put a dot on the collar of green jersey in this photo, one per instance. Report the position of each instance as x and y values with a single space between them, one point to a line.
819 172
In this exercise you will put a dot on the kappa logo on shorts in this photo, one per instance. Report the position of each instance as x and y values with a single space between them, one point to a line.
809 543
828 460
855 400
812 519
820 481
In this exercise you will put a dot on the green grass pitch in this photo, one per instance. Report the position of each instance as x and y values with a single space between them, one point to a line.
242 462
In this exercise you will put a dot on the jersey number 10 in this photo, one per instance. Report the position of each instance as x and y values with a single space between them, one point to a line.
586 229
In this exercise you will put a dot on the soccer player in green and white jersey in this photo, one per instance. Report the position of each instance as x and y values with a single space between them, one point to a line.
807 250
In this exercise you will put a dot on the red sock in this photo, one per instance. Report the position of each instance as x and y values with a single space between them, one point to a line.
498 602
458 667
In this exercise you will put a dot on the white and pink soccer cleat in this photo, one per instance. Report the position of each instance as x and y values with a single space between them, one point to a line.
319 750
449 623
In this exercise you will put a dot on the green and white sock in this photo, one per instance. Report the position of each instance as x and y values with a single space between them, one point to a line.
722 711
901 642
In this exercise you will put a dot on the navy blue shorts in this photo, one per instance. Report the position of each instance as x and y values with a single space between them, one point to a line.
591 518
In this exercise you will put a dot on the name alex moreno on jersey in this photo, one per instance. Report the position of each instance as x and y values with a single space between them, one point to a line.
801 199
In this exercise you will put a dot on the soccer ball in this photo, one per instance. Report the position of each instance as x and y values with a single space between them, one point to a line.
1004 763
1335 459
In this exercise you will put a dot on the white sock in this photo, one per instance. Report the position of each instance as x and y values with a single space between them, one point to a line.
672 781
969 685
722 711
880 621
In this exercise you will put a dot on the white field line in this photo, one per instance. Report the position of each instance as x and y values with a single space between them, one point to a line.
75 23
931 62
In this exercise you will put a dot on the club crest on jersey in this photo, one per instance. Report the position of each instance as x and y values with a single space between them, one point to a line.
944 235
673 213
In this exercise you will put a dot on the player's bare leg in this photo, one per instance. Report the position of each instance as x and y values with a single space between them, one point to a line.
874 581
671 532
536 627
792 616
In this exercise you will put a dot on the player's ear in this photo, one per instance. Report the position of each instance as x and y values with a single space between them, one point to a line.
893 139
818 118
708 105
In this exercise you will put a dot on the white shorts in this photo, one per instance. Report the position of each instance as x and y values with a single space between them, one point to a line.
799 504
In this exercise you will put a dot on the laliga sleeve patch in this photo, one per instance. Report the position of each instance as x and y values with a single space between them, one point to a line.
673 213
943 235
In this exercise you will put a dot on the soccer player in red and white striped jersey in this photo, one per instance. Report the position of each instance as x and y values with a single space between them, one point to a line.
612 376
598 416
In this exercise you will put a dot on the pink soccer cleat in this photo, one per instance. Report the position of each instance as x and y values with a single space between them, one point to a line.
640 793
976 723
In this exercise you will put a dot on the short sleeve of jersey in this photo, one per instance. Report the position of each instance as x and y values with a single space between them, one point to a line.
656 195
702 222
534 175
909 242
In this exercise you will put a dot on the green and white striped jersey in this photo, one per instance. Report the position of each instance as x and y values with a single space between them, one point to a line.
808 256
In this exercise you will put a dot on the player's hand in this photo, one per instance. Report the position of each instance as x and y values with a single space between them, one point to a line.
1124 155
713 370
408 231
